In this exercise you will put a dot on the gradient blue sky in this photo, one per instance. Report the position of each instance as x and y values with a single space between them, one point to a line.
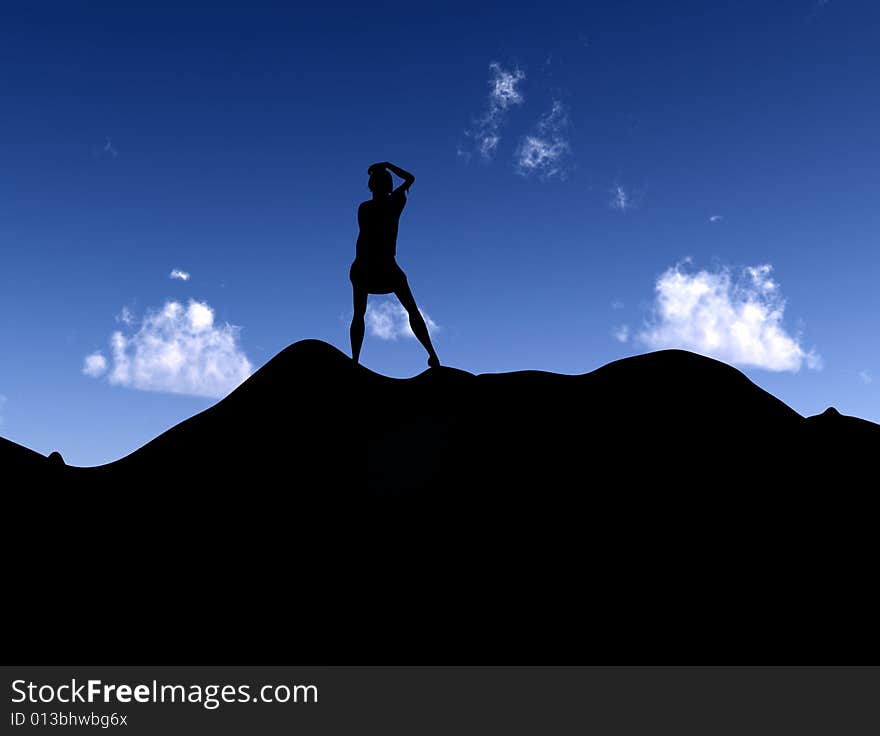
231 142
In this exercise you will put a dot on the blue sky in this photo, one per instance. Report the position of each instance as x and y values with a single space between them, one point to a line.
593 181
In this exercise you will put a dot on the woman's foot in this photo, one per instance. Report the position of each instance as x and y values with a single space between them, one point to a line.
433 361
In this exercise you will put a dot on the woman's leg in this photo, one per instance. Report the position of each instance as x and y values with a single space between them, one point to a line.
417 322
357 322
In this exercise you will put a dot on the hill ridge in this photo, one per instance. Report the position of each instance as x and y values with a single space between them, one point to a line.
683 386
660 509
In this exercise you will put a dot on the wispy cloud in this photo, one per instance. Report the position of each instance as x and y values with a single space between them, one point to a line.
620 200
388 320
734 317
544 151
504 93
94 365
176 273
621 333
176 349
866 377
125 316
617 304
715 218
110 149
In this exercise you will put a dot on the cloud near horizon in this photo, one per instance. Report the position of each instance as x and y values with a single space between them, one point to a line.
620 333
388 320
95 364
734 317
176 350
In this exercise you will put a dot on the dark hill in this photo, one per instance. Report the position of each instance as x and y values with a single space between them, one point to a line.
20 460
329 427
660 509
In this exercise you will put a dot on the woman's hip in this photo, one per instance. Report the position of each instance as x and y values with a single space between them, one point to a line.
377 278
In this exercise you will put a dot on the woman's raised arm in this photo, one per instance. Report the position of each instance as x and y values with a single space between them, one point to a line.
408 178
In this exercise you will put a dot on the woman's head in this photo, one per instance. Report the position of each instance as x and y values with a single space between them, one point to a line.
380 182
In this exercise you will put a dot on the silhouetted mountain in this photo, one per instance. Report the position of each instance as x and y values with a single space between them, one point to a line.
310 410
20 460
662 508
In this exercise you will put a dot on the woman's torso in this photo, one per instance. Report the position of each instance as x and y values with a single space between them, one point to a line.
378 222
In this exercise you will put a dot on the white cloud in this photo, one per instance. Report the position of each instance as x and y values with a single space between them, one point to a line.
504 93
866 377
199 316
176 273
621 333
125 316
620 199
94 365
736 318
544 151
715 218
177 350
388 320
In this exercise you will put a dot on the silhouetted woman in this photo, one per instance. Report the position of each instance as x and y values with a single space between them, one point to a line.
375 271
